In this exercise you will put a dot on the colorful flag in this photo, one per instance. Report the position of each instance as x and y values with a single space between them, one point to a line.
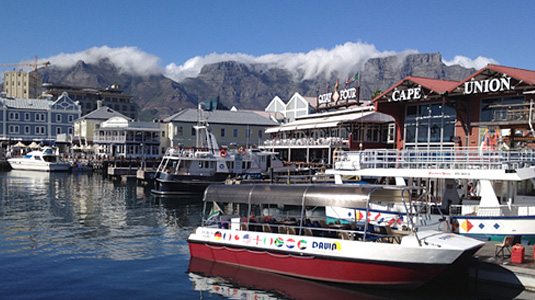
336 86
327 87
352 79
214 213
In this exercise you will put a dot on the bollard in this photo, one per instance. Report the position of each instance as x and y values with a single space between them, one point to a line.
517 255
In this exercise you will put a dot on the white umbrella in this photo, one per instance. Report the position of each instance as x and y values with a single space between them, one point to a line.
19 145
34 145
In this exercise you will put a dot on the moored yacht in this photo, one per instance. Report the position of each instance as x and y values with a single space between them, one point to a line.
39 160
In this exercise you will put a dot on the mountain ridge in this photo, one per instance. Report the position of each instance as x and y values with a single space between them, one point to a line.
246 86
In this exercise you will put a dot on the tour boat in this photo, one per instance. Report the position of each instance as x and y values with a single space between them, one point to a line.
283 229
191 170
488 193
39 160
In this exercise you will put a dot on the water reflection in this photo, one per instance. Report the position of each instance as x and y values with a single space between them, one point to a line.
85 215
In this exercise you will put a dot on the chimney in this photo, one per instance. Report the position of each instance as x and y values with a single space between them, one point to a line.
99 104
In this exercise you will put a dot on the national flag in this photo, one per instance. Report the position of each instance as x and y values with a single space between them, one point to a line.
247 238
336 86
290 243
279 242
217 235
214 213
349 80
327 87
302 244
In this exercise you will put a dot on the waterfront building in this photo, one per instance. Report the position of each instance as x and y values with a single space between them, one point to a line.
297 106
88 98
85 126
492 108
37 120
230 127
20 84
120 137
315 138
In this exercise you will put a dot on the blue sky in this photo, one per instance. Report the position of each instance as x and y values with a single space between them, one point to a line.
176 35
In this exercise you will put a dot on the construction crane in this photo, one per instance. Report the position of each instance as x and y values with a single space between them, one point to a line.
34 64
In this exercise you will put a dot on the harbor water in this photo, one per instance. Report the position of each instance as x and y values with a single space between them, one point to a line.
82 236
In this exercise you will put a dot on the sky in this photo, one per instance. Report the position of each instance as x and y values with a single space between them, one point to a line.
177 37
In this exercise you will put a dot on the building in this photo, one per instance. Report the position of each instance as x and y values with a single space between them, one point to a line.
85 126
231 128
39 120
492 108
314 138
112 97
120 137
20 84
296 107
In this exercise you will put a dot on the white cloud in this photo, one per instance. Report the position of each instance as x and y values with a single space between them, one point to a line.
344 59
126 59
463 61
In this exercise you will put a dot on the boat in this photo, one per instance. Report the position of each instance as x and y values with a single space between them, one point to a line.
39 160
191 170
485 193
282 229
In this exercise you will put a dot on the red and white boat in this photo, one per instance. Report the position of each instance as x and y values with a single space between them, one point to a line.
288 235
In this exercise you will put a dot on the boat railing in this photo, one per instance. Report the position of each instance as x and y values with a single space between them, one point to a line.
465 158
492 211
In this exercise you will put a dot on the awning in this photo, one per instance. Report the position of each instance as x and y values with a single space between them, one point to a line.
333 121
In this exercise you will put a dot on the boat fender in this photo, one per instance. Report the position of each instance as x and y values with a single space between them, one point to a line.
241 151
223 153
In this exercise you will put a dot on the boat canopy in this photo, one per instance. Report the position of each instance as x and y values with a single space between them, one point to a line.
309 195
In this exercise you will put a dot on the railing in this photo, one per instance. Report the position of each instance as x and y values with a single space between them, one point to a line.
494 211
467 158
330 141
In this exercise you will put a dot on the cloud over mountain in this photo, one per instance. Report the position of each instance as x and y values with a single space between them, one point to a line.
342 61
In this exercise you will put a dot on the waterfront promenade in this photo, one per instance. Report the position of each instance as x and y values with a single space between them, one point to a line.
485 267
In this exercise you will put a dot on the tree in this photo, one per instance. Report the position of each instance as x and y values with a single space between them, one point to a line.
375 94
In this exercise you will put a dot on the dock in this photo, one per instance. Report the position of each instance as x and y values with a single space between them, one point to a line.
486 267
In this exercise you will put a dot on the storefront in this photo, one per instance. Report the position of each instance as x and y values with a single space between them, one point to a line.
492 108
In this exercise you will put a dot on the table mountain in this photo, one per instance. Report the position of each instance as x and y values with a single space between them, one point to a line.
245 86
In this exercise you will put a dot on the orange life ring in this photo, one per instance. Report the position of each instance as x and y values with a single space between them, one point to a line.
223 153
241 151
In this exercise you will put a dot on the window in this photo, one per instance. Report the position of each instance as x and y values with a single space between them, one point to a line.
27 116
222 132
248 133
58 118
58 130
13 129
235 132
193 132
14 116
26 129
260 133
71 118
40 130
179 131
429 124
70 130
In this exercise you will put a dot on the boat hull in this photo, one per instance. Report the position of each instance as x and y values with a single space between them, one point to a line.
31 165
171 184
324 268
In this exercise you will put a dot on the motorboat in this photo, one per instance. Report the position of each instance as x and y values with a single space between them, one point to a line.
39 160
282 229
487 193
191 170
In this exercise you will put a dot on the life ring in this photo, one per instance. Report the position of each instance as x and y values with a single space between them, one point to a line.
241 151
223 153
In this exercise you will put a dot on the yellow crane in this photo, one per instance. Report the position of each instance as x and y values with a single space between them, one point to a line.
34 64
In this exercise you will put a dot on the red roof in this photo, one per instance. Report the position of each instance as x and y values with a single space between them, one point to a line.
526 76
436 85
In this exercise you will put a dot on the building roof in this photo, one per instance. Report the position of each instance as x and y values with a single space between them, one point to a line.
438 86
523 75
104 113
23 103
222 117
